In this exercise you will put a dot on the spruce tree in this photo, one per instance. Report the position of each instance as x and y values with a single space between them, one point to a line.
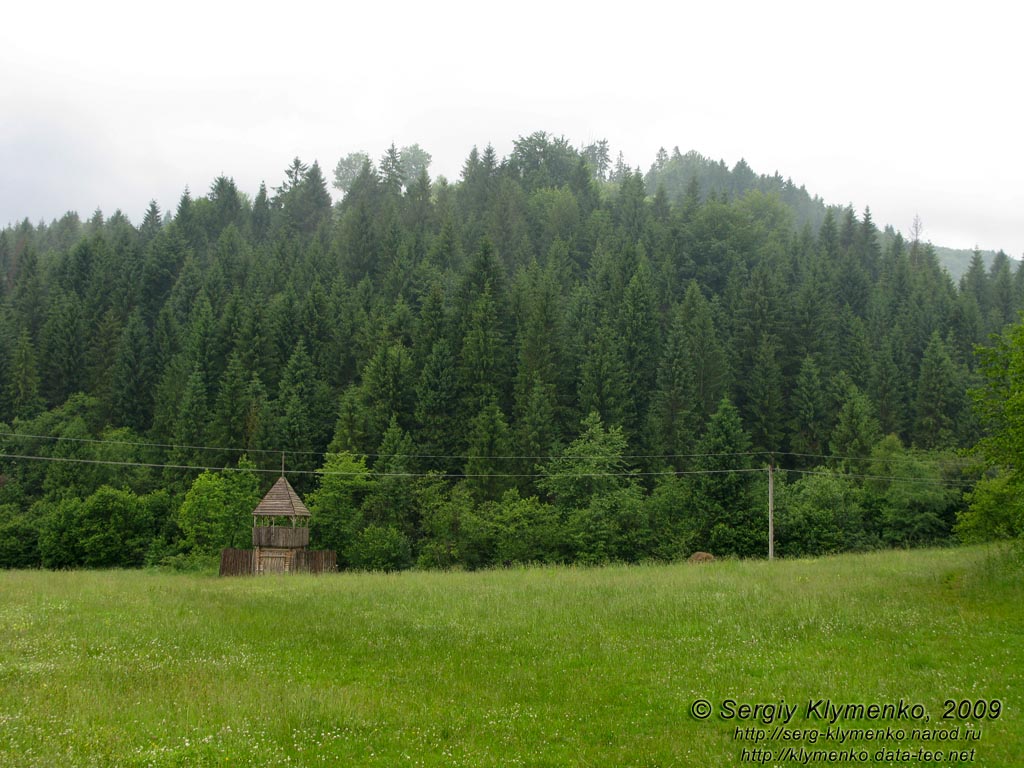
437 409
808 428
231 408
63 348
132 377
765 406
23 379
391 503
604 383
389 389
535 432
483 365
487 466
192 425
728 519
640 333
939 398
705 349
887 389
855 432
675 414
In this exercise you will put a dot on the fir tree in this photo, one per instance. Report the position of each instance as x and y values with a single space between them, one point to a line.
132 377
764 398
437 409
726 518
939 397
487 467
190 429
23 379
808 425
856 431
675 406
704 348
604 383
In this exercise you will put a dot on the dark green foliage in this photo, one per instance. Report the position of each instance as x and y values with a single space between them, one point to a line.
728 518
217 511
818 515
132 376
484 361
808 426
676 407
604 380
380 548
63 349
764 398
705 349
390 503
487 467
641 343
940 397
996 508
437 406
193 422
388 389
23 379
592 465
344 482
469 328
19 538
856 430
110 528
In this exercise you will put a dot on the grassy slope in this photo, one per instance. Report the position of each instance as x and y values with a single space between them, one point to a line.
545 667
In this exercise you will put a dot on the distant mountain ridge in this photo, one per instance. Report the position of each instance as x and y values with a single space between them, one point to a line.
683 174
957 260
692 173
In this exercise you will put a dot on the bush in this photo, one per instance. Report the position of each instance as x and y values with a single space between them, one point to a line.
381 548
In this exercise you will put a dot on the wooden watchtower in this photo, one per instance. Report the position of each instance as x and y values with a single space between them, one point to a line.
280 530
280 539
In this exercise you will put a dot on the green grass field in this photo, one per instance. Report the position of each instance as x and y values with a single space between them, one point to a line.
534 667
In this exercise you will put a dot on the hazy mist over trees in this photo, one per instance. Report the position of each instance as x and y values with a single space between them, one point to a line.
553 358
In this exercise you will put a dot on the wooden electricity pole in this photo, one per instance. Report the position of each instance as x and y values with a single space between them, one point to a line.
771 508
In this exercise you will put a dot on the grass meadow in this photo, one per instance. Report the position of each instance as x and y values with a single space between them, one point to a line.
530 667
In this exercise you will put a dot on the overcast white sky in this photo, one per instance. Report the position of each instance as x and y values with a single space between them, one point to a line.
910 108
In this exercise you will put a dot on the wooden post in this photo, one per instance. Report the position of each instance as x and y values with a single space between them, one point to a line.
771 508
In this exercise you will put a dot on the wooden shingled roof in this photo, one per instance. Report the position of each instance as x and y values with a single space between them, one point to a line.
281 501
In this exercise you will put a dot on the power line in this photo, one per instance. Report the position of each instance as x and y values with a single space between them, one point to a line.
140 444
371 473
880 459
278 451
482 475
920 480
458 475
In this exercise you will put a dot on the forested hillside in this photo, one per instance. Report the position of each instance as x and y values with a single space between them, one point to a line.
549 360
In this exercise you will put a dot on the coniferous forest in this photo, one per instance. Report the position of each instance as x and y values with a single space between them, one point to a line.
553 359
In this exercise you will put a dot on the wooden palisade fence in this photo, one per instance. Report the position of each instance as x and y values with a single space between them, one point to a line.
280 539
245 562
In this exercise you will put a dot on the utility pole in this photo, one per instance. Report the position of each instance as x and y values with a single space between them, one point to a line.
771 508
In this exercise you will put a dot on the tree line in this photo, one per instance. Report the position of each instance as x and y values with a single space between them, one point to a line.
550 359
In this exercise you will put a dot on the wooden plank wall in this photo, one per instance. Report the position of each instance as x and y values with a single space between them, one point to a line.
315 561
242 562
237 562
280 536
